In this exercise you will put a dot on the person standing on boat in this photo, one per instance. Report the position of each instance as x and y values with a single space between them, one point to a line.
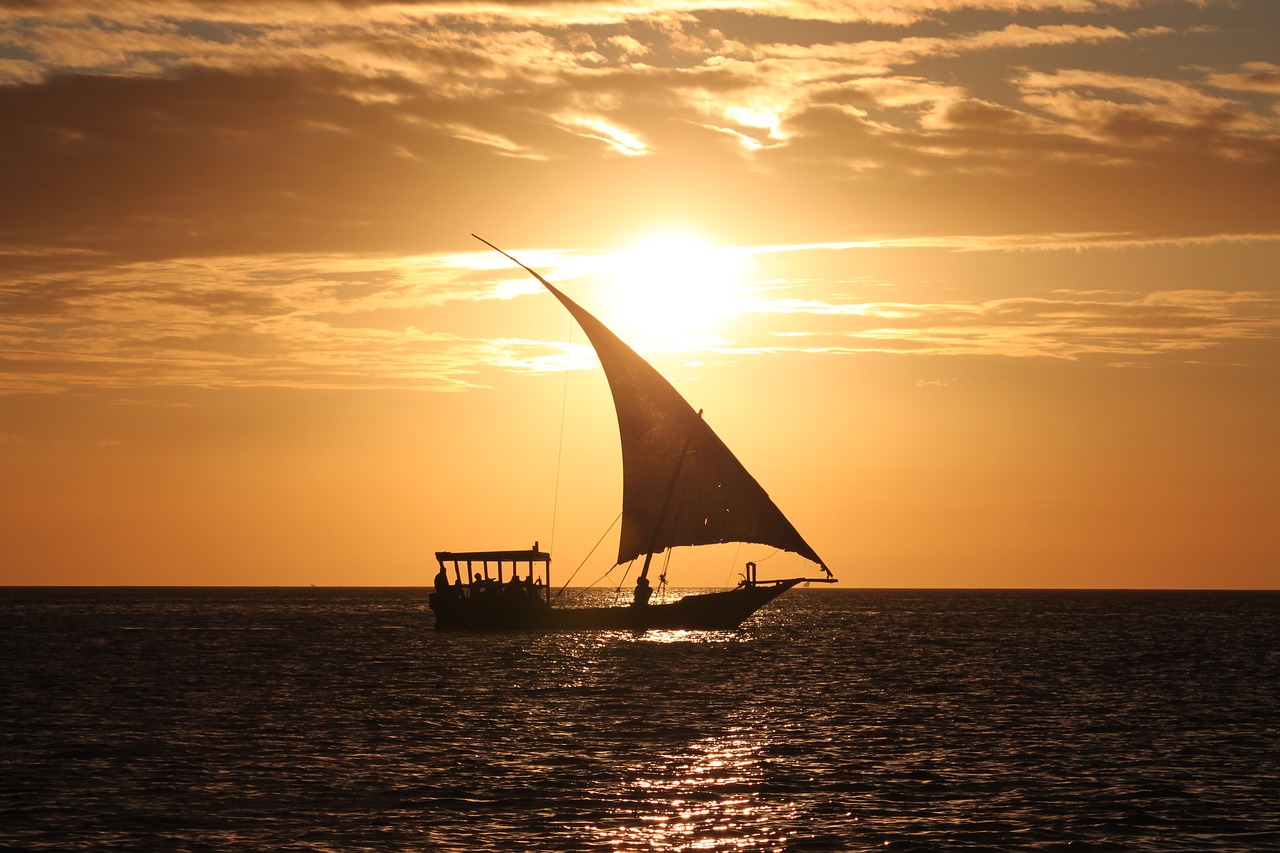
442 582
643 591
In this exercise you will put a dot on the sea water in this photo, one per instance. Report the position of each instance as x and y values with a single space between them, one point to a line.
337 719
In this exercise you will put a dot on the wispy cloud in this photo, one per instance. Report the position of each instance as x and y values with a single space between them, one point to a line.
335 322
1067 327
150 131
239 322
1251 77
325 163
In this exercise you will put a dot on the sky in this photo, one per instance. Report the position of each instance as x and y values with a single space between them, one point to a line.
983 292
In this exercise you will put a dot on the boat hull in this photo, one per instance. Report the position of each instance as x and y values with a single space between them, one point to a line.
700 612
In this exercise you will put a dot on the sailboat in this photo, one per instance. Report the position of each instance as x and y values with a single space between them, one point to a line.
681 486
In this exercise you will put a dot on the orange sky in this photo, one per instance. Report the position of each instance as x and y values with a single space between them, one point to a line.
1001 306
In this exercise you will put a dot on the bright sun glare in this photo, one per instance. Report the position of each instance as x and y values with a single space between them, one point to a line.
672 290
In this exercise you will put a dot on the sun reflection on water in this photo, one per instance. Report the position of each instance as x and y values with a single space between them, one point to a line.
679 636
706 797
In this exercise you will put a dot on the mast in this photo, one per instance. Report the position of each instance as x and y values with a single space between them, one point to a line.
643 589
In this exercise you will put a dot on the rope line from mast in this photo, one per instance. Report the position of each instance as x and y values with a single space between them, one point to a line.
737 552
564 406
625 572
588 557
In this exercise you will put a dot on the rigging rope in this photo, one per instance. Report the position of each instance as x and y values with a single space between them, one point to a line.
621 580
564 405
588 557
736 553
666 564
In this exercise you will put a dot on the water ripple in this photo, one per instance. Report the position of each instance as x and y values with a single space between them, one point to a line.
337 720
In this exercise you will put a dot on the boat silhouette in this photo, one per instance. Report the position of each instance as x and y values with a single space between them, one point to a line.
681 486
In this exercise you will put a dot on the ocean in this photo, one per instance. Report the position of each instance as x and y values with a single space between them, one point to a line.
338 719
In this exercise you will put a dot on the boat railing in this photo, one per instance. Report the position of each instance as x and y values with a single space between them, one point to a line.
750 579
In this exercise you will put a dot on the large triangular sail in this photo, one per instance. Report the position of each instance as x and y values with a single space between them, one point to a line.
681 485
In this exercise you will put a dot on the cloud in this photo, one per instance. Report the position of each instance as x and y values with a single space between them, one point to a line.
1068 328
622 141
872 57
404 323
1139 107
289 322
142 132
1261 77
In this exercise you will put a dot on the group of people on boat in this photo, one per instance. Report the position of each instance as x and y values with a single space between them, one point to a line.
486 587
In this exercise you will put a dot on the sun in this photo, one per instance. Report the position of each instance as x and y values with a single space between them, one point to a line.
673 290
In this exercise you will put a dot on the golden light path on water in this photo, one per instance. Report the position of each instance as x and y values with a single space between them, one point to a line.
703 798
704 795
